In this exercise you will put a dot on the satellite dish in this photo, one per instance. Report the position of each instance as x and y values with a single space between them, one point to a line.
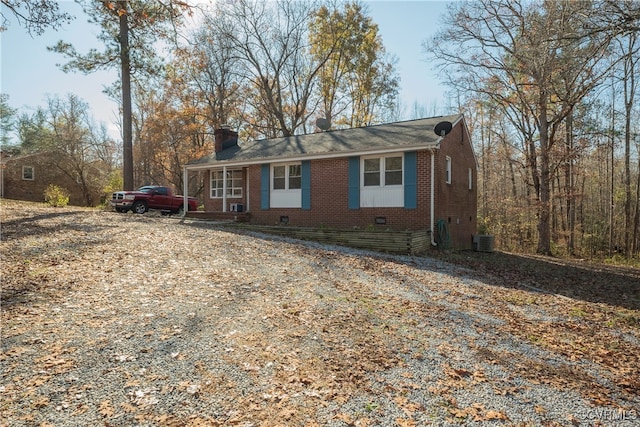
323 124
443 128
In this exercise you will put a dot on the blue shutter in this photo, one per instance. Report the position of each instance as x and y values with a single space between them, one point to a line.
265 178
410 180
306 185
354 183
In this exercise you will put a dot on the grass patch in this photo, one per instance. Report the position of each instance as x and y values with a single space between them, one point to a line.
578 312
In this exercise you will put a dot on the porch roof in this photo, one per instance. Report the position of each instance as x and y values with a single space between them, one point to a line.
399 136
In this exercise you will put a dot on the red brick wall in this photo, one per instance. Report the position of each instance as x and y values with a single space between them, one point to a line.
329 200
45 173
457 205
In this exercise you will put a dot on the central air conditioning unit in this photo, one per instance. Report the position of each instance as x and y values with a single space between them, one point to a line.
483 243
237 207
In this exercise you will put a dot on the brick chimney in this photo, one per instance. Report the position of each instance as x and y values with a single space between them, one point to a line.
225 138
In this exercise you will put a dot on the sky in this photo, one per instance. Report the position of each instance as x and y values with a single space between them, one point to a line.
29 72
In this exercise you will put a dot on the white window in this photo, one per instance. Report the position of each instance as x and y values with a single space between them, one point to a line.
470 179
447 170
393 171
287 177
371 172
28 173
373 168
234 183
382 181
286 184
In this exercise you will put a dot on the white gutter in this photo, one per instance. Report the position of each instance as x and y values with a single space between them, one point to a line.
432 196
315 156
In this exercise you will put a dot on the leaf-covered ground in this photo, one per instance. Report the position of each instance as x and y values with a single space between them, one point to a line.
573 278
119 320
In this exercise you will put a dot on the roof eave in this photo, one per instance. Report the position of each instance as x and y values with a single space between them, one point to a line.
315 156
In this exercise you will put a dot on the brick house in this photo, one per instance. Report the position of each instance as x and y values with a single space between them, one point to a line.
25 177
400 176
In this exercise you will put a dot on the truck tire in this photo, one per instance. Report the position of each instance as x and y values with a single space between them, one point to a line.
139 207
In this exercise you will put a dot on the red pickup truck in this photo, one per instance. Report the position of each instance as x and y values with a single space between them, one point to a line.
151 197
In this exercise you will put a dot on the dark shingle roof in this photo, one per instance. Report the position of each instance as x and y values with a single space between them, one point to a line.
400 134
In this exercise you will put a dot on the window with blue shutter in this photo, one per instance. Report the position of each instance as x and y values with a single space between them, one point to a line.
306 185
354 183
410 180
264 187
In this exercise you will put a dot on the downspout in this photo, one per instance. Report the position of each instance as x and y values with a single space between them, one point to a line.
185 183
441 129
432 197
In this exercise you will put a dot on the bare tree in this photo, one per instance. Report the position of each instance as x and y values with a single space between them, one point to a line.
80 150
270 40
211 66
357 79
35 15
129 32
7 120
542 57
630 47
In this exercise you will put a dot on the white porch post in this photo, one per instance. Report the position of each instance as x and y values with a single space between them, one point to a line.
224 189
247 207
185 192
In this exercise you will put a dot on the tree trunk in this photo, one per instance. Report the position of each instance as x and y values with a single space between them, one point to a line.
627 183
127 129
571 208
636 217
544 208
483 155
612 183
544 175
629 95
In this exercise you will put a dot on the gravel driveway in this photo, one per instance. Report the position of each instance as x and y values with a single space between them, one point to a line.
121 320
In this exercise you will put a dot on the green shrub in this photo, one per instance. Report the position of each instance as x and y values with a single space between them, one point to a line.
56 196
114 183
